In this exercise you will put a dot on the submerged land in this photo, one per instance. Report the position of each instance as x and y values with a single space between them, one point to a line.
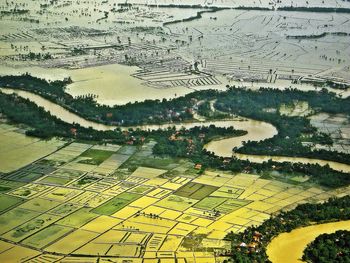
174 132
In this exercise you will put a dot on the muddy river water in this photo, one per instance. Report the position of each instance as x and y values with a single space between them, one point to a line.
257 131
289 247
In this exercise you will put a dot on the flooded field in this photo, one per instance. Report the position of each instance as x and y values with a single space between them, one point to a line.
289 247
113 84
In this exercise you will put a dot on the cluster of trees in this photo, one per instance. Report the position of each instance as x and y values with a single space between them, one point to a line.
191 146
204 109
44 125
333 210
326 248
149 111
315 9
292 131
247 103
197 16
189 143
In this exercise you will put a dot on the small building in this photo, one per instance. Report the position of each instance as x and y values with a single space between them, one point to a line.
198 166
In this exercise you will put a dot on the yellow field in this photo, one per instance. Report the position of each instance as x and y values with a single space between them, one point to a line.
150 219
18 150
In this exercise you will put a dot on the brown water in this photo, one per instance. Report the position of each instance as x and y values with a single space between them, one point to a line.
113 84
263 158
289 247
257 131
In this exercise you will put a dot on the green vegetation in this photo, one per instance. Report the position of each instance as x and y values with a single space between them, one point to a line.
195 190
55 180
130 114
30 227
78 218
210 203
315 9
95 157
86 180
15 217
335 209
46 236
329 248
7 201
296 136
116 203
292 131
64 209
44 125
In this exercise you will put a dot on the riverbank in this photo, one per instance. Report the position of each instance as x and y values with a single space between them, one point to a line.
257 131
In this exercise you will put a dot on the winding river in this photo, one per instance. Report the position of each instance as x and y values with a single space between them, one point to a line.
257 131
289 247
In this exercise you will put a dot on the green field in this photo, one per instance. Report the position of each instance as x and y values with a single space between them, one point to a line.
95 157
55 180
78 218
116 203
210 203
177 203
30 227
231 205
64 209
15 217
6 186
7 201
46 236
39 204
195 190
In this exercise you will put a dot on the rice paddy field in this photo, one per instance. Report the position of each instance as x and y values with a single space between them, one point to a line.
73 201
18 150
84 203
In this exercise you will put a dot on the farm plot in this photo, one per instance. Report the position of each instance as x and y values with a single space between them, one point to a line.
147 173
39 204
30 227
18 254
177 203
116 203
18 150
111 164
7 202
195 190
77 218
210 203
68 153
94 156
6 186
30 173
61 177
15 217
101 224
71 242
30 190
62 194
